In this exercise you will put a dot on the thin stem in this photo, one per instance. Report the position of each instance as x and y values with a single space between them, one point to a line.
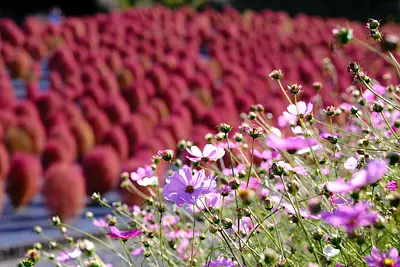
127 254
284 92
390 127
251 163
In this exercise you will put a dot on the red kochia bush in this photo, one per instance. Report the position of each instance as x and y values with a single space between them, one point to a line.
83 134
117 109
4 163
24 179
55 151
64 190
63 133
117 138
101 167
100 124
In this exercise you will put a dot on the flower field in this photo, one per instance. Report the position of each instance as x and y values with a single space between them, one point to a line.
232 139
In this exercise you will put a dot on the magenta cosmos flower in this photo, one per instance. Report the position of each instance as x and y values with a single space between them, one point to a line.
210 152
184 187
222 262
350 217
378 259
370 175
391 186
291 144
116 233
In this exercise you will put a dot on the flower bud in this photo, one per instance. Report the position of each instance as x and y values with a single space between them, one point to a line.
293 187
343 35
166 154
393 157
354 68
234 183
202 236
56 220
224 127
294 89
89 215
53 245
252 115
33 255
213 229
330 111
225 190
227 223
37 229
270 256
318 235
37 246
215 219
96 196
317 86
394 199
276 74
220 136
238 137
377 106
209 137
373 24
146 254
354 110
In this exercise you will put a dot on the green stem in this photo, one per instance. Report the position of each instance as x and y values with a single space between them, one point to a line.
251 163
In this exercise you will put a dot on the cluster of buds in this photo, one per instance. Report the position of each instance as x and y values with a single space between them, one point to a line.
373 26
359 76
255 132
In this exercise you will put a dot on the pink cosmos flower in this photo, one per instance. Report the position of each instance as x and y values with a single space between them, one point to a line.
350 164
371 174
350 217
141 173
300 109
266 154
392 186
116 233
183 187
291 144
101 223
210 152
378 259
369 96
170 220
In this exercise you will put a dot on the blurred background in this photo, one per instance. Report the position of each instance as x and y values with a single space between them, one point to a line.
92 88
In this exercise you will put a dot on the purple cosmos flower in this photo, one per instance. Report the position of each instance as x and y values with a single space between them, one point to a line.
291 144
137 252
210 152
391 186
222 262
116 233
183 187
142 172
369 96
373 173
350 217
378 259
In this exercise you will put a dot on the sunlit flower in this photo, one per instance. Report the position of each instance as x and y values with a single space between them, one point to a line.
210 153
378 259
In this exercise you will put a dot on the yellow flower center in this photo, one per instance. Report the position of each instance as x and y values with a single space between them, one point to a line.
388 262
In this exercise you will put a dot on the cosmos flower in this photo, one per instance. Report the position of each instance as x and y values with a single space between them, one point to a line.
141 173
350 217
222 262
378 259
392 186
170 220
116 233
101 223
291 144
371 174
183 187
300 109
210 153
